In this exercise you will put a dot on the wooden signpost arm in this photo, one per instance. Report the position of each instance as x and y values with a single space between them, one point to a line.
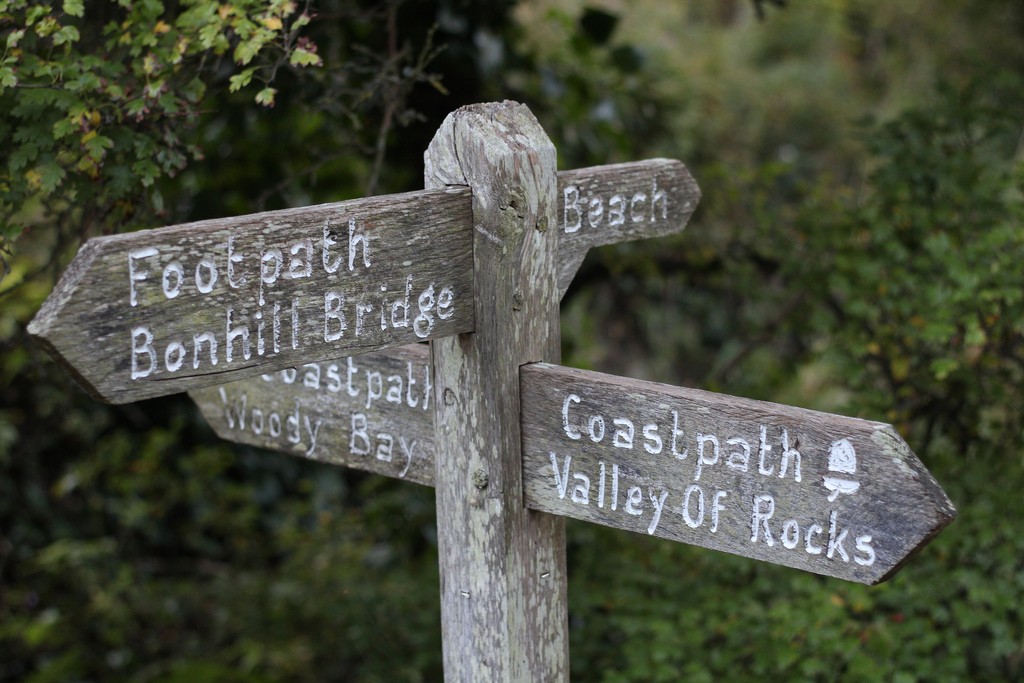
617 203
503 576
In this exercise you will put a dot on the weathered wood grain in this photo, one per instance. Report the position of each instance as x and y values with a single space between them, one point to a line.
503 578
374 412
884 486
618 203
162 311
832 495
676 195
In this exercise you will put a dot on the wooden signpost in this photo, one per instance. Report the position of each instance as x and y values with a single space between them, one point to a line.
785 485
161 311
292 331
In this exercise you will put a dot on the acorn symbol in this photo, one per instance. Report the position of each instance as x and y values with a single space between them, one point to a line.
842 458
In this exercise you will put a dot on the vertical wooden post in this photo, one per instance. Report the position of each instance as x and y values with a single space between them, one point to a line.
503 577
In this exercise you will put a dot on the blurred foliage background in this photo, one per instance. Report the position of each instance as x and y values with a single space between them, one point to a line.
859 249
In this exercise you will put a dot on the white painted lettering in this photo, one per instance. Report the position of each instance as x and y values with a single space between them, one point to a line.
354 239
763 452
703 459
759 518
205 283
581 492
676 434
623 434
137 275
423 324
384 444
739 460
328 242
634 215
864 546
571 195
787 454
311 375
812 530
659 504
596 211
445 303
333 302
651 436
269 273
233 259
836 538
570 431
616 210
142 343
359 440
716 507
634 497
174 275
174 356
790 534
292 426
403 305
197 344
234 333
311 431
301 267
561 482
394 394
658 196
407 450
692 521
374 387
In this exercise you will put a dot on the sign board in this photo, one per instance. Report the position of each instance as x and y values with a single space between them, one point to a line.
616 203
162 311
349 409
166 310
265 305
373 412
828 494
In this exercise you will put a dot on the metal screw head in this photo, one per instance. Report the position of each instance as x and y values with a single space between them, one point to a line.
542 223
449 397
480 479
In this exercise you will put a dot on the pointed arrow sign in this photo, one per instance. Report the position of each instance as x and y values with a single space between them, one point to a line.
171 309
832 495
829 494
373 412
161 311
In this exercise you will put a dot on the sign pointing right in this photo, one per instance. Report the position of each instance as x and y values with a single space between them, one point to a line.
828 494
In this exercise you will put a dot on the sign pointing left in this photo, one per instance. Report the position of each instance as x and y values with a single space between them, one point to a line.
167 310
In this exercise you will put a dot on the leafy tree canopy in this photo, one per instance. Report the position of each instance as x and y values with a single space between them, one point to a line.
97 106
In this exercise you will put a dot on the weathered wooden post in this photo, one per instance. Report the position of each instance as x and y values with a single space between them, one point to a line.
503 583
512 442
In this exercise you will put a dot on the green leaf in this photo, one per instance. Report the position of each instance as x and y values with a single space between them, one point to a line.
51 175
35 13
97 145
240 80
266 97
7 78
944 367
75 8
302 57
66 35
146 171
14 37
64 128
